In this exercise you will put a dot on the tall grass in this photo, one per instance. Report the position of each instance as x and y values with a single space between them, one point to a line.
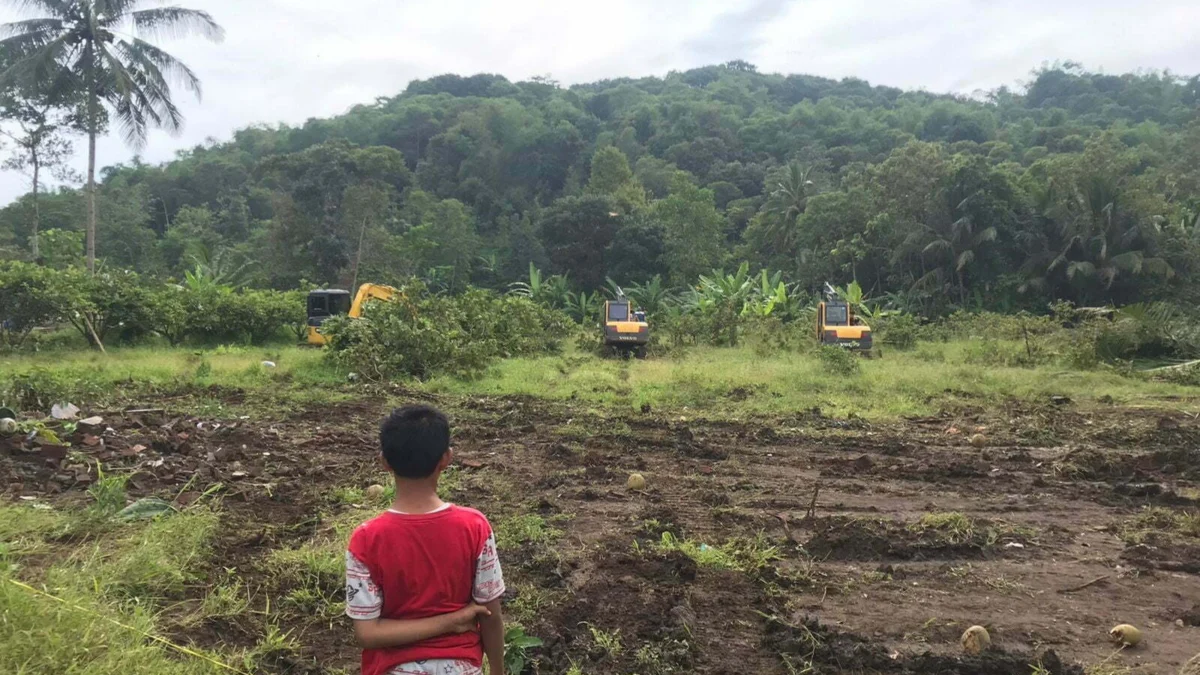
735 382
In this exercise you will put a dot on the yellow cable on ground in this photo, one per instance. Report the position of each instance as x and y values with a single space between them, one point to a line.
163 641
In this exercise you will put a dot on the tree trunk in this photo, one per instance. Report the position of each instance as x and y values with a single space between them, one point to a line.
91 177
962 290
358 256
37 216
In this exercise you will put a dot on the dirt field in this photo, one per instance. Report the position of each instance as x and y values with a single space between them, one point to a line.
800 544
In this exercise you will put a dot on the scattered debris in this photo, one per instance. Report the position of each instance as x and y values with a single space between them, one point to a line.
64 411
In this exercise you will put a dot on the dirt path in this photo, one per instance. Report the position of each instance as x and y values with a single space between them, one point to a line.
917 532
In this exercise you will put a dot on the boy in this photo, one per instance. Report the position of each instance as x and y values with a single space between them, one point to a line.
423 582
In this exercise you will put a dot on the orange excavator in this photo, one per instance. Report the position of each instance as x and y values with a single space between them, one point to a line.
625 328
837 324
328 302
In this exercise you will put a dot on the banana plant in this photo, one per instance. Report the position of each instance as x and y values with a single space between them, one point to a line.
552 291
653 296
770 296
584 307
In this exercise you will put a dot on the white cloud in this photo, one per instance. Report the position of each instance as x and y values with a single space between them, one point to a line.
288 60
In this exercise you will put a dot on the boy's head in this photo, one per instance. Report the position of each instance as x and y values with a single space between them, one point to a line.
415 441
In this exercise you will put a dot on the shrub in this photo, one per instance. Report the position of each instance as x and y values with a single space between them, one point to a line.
111 303
419 334
839 360
31 296
898 330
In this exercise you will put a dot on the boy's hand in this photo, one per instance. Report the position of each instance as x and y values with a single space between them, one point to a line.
467 619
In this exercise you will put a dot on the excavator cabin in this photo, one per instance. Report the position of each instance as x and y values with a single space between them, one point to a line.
625 328
837 325
328 302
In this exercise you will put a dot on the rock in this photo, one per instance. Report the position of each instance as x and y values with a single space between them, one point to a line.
979 440
975 640
636 482
375 492
1192 616
863 463
1125 635
93 421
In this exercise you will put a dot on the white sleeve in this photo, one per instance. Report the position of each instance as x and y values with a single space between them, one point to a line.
364 599
489 580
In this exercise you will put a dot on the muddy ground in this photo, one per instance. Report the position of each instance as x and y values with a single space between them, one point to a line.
864 572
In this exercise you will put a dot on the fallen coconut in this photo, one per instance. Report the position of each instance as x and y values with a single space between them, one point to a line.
8 426
975 640
1125 635
375 493
636 482
979 440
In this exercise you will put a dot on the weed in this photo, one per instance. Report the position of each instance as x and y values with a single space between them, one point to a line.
313 571
528 528
952 527
83 638
517 649
155 559
274 643
1158 521
230 598
448 483
108 492
742 554
607 642
529 602
349 496
839 360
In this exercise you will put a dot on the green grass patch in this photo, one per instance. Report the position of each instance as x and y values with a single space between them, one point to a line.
1158 521
152 560
528 528
736 382
740 554
79 636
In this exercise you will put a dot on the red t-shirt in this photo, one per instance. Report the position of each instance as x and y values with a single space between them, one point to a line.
424 565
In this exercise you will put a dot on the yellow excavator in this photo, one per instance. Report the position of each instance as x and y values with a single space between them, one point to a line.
625 328
837 324
328 302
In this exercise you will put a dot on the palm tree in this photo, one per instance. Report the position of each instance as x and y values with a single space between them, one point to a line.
787 201
95 49
955 245
1102 240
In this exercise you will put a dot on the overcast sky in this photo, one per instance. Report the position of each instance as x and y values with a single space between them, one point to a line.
288 60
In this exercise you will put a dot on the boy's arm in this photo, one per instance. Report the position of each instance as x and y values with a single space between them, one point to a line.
491 629
382 633
364 602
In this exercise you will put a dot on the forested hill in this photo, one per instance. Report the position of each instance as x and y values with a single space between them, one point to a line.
1078 185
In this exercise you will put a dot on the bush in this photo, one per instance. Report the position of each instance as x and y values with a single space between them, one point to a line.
418 334
31 296
898 330
839 360
110 304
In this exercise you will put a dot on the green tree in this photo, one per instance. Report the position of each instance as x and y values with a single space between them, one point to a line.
41 124
95 49
577 232
692 225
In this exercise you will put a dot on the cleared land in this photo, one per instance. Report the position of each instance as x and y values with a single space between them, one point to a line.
793 520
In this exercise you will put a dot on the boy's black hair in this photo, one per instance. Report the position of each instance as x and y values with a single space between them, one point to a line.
413 440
